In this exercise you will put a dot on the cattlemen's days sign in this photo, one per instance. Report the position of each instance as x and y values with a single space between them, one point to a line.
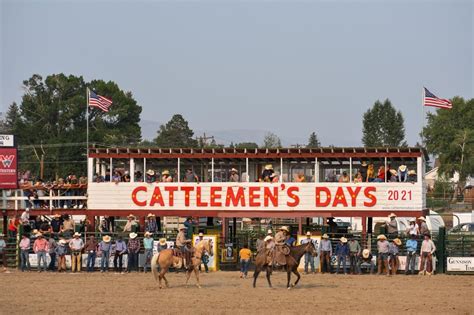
255 196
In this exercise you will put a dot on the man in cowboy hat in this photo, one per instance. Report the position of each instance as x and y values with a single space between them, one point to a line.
131 224
40 247
393 252
205 257
148 245
267 173
308 258
190 176
413 228
162 245
342 252
151 225
105 246
392 225
166 177
133 251
426 253
325 250
412 176
269 246
402 173
423 226
366 258
76 244
150 176
411 246
61 251
182 244
91 250
234 176
354 254
281 248
120 250
382 257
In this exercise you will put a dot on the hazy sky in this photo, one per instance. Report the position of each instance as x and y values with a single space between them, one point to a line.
289 67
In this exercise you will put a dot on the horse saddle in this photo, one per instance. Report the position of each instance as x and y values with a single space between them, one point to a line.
177 252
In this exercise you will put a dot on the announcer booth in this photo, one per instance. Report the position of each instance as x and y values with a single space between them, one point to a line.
307 183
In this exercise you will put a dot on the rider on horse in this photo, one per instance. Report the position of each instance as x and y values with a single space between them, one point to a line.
281 247
183 245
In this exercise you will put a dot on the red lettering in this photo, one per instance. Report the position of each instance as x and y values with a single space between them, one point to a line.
269 195
216 196
157 198
367 193
319 202
134 196
171 190
187 191
254 196
199 202
339 198
354 194
291 195
235 198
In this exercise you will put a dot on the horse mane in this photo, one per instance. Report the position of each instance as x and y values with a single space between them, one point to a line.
201 245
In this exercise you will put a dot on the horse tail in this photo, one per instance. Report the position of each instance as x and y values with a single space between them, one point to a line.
154 262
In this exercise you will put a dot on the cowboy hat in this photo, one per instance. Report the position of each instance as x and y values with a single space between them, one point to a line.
34 232
162 241
268 238
77 234
343 239
39 234
397 242
325 236
148 233
364 163
27 209
308 233
182 227
422 219
62 242
131 216
284 228
201 234
393 172
150 172
165 172
150 215
233 170
133 235
268 167
269 232
365 253
402 168
411 172
106 238
381 237
392 215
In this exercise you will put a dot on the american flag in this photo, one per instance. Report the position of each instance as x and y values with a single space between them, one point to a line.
431 100
98 101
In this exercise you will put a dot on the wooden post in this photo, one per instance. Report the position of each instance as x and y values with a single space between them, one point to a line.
42 166
364 231
300 225
142 223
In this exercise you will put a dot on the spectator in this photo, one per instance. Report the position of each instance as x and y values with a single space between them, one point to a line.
267 173
366 259
426 253
131 224
25 252
162 245
291 241
332 226
98 178
393 252
423 226
244 255
370 173
260 245
3 252
104 248
52 252
189 227
358 178
205 257
56 223
234 176
354 253
61 251
40 247
342 251
91 249
116 177
413 228
104 227
166 177
382 257
68 226
402 173
150 176
38 222
150 224
393 175
344 178
412 176
13 226
308 258
411 246
77 245
120 250
25 217
325 248
126 177
300 178
190 176
148 245
138 177
380 175
133 250
275 177
363 171
392 225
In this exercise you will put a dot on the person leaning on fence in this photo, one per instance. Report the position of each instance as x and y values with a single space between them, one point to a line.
354 254
342 252
61 251
393 252
3 253
423 226
411 245
76 244
91 250
56 223
68 226
426 253
308 257
25 245
382 256
245 253
120 250
40 247
325 249
52 252
150 224
148 245
413 228
133 251
392 225
104 248
366 258
131 224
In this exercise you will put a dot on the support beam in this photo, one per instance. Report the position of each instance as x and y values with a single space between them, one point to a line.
132 170
300 225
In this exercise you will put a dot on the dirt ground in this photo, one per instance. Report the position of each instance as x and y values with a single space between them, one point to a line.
226 293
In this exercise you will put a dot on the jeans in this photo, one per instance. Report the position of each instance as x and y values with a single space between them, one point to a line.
325 261
244 266
372 266
426 257
118 257
132 262
206 268
410 263
343 260
52 263
25 260
91 261
148 257
308 260
353 259
402 176
104 261
42 257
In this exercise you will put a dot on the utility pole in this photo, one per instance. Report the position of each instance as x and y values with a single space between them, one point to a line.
203 140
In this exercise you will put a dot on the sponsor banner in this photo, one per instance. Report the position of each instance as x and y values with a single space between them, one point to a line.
316 240
7 141
256 196
8 168
460 264
212 264
34 261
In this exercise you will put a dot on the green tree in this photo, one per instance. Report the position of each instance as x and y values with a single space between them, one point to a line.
12 121
271 141
449 135
246 145
176 134
383 126
51 121
313 141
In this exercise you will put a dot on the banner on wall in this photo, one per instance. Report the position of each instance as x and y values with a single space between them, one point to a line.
460 264
316 240
212 264
8 168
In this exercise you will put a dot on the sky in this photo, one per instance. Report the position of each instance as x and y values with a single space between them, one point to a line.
236 69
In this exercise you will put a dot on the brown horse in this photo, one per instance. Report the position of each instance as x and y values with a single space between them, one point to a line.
292 263
166 258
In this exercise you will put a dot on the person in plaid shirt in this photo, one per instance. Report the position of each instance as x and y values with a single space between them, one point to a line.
133 250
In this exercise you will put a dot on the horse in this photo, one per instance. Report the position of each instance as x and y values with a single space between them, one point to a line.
292 263
166 258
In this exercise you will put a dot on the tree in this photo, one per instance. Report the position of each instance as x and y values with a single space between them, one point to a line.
246 145
383 126
51 121
271 141
176 134
12 120
449 134
313 141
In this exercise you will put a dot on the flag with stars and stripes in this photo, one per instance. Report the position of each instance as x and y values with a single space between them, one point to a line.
99 101
432 100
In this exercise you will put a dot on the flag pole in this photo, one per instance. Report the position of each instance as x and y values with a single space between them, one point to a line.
87 128
423 115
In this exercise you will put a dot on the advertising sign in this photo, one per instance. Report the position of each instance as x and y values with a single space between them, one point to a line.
8 168
462 264
316 240
7 141
212 264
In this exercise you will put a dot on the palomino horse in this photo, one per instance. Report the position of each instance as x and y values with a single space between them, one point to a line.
292 262
166 258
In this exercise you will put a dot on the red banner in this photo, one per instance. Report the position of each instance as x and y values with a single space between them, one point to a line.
8 168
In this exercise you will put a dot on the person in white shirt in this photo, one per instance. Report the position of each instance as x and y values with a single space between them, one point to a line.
25 216
426 253
413 228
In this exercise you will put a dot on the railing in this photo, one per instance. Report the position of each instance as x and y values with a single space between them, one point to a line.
67 196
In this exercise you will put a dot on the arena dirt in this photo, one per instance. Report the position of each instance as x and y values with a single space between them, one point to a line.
226 293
